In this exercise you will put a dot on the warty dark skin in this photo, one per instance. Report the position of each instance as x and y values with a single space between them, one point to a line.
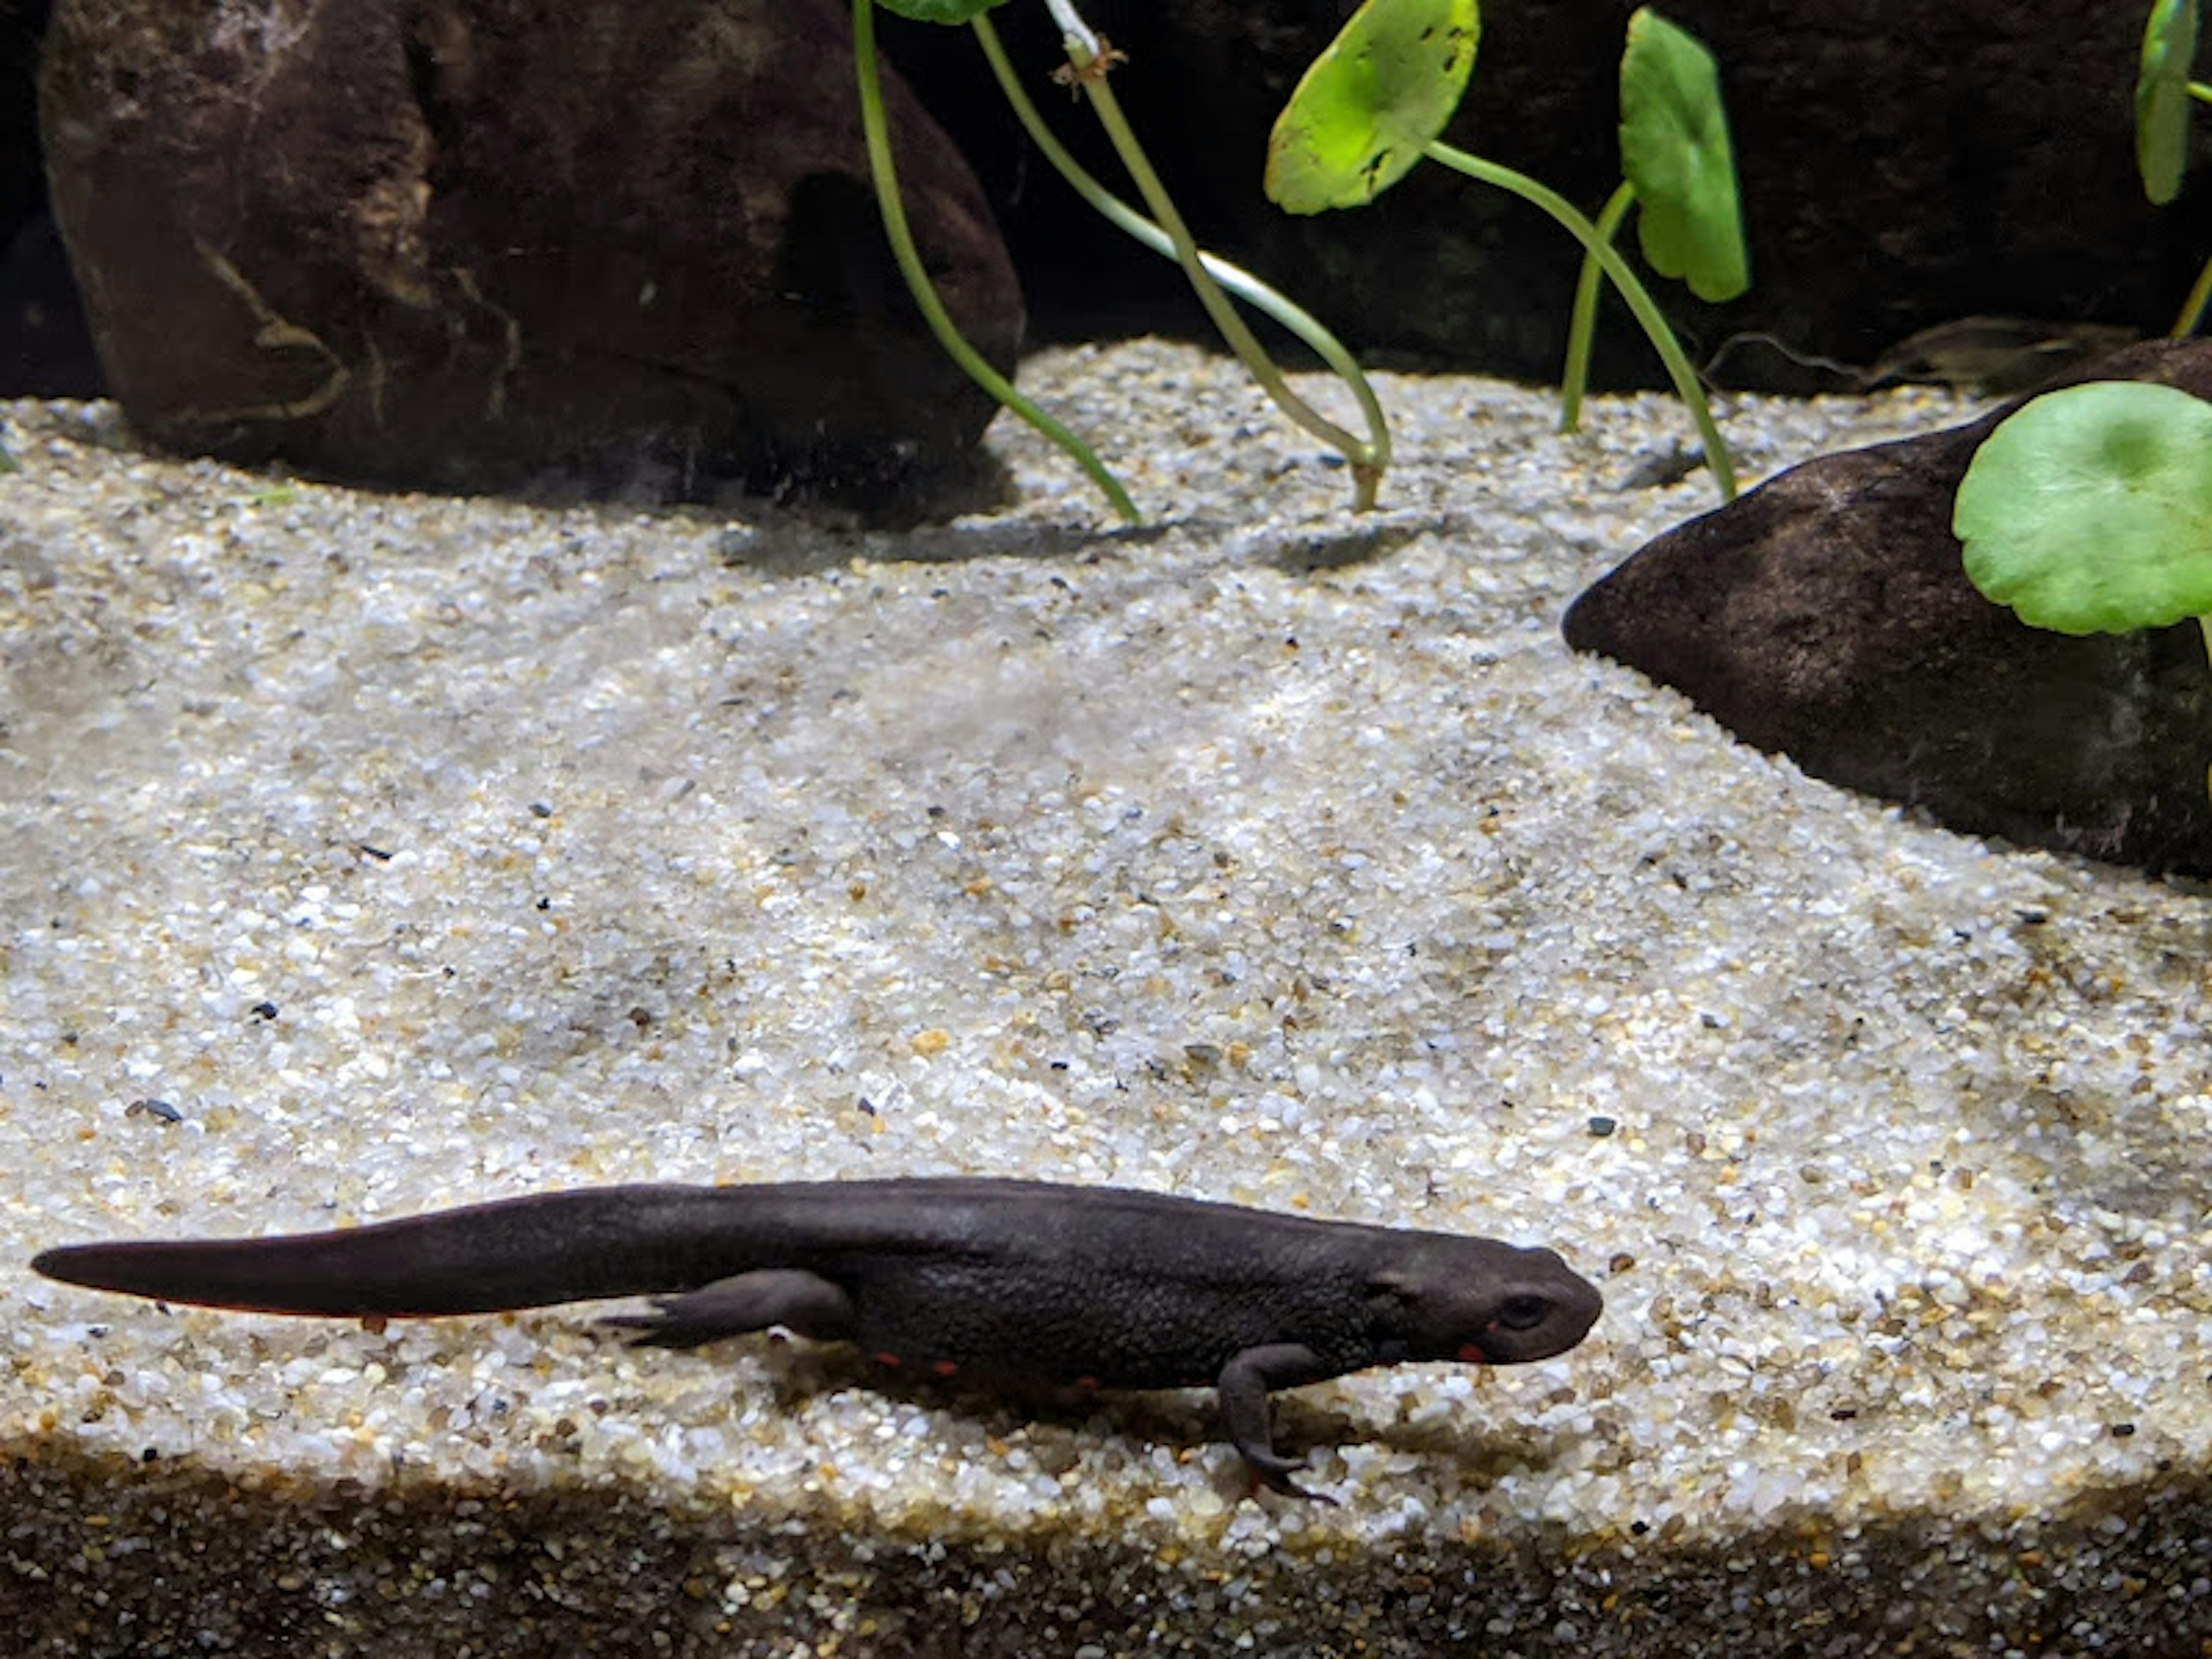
1093 1286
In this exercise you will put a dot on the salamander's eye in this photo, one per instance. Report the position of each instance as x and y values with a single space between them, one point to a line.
1524 1313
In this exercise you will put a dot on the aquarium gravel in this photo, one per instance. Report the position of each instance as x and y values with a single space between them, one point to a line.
368 853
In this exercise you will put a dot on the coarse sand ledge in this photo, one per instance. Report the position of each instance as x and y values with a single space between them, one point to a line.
368 853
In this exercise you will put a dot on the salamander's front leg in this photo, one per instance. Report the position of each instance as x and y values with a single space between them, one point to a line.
1243 1389
798 1301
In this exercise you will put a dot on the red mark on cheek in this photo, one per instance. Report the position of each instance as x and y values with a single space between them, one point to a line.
890 1359
1471 1354
1087 1383
945 1368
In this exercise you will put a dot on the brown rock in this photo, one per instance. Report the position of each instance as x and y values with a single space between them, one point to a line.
1827 615
462 243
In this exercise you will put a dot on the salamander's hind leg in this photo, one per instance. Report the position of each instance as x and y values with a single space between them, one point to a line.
798 1301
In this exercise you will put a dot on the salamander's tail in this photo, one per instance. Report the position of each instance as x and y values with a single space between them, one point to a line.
518 1252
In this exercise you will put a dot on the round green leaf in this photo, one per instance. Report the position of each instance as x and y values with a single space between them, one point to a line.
2169 45
1370 103
940 11
2089 511
1674 149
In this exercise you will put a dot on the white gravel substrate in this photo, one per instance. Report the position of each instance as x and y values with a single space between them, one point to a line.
366 854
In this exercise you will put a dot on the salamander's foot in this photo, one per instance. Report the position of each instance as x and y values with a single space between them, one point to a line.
1274 1472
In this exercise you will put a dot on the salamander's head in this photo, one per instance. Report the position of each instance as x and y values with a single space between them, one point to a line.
1484 1303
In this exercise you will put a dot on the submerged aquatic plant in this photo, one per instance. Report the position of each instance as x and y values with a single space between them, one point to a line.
1370 108
1679 175
2089 510
2164 92
1091 60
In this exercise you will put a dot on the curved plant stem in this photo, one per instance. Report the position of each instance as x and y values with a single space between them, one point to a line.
1582 329
875 131
1639 300
1367 460
2192 308
1241 283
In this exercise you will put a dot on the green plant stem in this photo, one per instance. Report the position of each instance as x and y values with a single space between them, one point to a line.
1367 460
876 133
2192 308
1582 329
2200 293
1241 283
1639 302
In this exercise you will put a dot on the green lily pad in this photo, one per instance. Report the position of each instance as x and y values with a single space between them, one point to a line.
2089 511
1674 149
940 11
2169 46
1370 103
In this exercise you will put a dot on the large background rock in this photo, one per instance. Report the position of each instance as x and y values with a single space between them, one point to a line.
459 242
1826 615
